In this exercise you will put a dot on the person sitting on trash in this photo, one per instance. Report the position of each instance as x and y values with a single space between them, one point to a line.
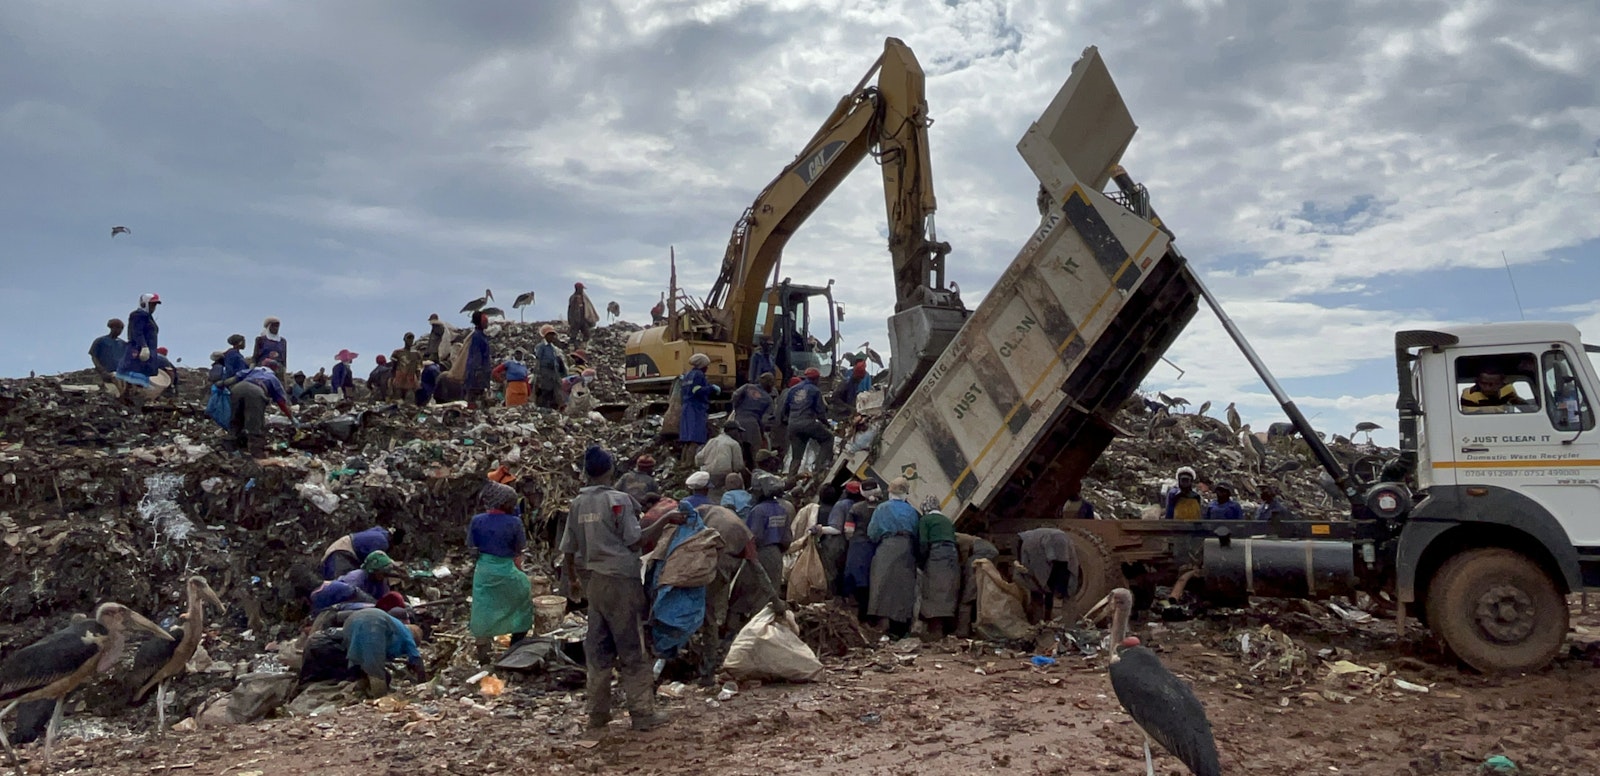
107 351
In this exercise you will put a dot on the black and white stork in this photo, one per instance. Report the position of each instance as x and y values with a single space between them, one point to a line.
522 300
613 310
478 304
1161 704
159 661
55 665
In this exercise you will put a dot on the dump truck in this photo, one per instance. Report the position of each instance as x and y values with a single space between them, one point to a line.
1489 517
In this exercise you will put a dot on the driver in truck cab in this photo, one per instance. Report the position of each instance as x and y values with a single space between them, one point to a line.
1490 393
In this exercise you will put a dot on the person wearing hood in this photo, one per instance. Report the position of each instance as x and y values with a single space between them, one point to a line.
581 315
438 339
600 548
720 457
270 344
549 369
1182 502
893 528
378 378
344 379
349 552
751 404
250 391
480 361
501 599
107 350
694 392
138 365
941 568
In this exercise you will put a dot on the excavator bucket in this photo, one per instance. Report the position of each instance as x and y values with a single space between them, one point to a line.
1085 129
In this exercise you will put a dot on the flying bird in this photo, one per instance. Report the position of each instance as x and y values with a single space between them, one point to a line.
1161 704
116 230
1234 421
57 664
1203 407
478 304
158 661
522 300
614 310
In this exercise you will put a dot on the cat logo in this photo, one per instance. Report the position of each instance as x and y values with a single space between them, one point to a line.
810 168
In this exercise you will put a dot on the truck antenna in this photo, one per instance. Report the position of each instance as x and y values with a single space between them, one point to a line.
1514 294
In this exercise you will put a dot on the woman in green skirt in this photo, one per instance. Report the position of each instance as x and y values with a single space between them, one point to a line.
502 600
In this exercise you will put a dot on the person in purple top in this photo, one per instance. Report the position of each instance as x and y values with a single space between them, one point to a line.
343 378
250 391
351 550
769 521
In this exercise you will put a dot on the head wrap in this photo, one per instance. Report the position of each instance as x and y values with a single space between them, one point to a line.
161 351
376 561
699 360
930 504
495 495
645 462
597 462
698 481
577 286
734 481
266 329
380 359
392 600
1182 470
853 486
859 370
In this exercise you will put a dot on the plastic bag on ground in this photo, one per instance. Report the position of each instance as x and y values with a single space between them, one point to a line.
1001 615
807 580
770 649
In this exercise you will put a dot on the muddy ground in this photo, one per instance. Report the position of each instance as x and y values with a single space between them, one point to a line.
958 707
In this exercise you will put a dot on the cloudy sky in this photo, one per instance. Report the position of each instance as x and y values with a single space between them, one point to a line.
1334 170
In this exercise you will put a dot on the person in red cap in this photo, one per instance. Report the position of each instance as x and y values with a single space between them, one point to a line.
581 315
137 365
343 379
641 481
807 417
166 367
378 379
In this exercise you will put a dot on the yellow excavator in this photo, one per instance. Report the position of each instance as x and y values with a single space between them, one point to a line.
747 309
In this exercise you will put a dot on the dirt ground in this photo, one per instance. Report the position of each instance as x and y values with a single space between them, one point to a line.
954 707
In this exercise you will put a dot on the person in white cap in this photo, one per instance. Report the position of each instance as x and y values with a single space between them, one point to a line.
699 485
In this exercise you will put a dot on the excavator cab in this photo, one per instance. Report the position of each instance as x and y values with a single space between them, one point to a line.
802 322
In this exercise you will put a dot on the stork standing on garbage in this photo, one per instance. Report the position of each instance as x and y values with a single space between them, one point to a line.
159 661
54 666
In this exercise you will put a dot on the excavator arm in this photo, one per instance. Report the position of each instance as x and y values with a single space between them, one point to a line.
889 122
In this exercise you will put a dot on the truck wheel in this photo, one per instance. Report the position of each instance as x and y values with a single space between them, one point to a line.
1101 574
1497 611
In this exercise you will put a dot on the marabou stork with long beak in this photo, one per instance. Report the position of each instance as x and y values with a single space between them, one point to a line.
479 303
158 662
1161 704
55 665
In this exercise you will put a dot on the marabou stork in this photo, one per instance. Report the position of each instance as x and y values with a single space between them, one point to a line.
1366 427
1161 704
522 300
1234 421
158 662
116 230
1254 451
1204 407
55 665
477 304
614 310
493 312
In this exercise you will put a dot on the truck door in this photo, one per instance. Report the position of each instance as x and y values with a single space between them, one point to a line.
1522 420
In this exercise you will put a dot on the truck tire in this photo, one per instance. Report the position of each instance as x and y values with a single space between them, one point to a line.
1100 571
1497 611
